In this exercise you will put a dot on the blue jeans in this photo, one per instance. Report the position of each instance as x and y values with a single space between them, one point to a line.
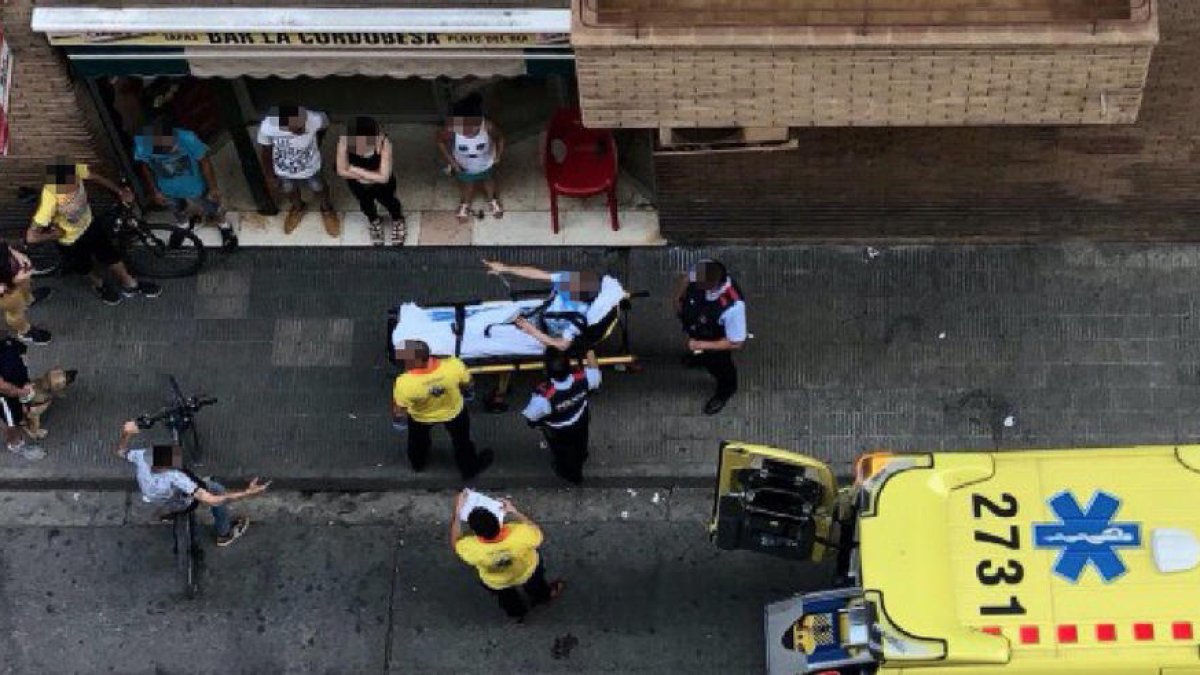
202 206
221 521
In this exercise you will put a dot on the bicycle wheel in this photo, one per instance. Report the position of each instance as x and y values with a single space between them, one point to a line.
164 252
46 258
189 556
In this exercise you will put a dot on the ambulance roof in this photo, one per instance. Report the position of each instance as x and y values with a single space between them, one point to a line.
1054 552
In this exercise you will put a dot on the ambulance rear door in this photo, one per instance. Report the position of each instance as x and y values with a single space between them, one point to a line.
772 501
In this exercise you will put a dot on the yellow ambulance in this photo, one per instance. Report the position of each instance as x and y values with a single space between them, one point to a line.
1038 562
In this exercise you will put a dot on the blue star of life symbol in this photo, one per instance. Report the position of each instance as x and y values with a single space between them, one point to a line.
1087 536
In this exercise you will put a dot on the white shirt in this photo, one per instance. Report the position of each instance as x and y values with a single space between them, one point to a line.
539 406
171 487
475 154
733 319
294 155
610 295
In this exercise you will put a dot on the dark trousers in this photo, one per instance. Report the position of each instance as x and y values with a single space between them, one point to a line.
420 440
536 589
569 448
719 364
384 193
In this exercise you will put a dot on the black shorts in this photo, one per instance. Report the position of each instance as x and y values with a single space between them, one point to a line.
12 411
94 246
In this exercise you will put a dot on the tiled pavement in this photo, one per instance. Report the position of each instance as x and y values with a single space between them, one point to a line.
915 348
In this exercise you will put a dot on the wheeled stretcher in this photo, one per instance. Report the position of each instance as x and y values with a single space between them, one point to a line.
482 333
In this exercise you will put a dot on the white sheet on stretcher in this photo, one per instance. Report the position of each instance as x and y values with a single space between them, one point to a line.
434 325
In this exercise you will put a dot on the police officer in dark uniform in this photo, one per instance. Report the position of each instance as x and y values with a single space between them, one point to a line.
560 407
713 312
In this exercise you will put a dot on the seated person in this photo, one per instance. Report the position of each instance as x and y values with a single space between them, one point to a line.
567 312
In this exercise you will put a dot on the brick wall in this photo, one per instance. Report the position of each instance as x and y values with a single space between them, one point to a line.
1139 181
796 75
799 87
46 117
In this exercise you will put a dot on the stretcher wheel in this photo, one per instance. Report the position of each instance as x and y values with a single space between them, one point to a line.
496 402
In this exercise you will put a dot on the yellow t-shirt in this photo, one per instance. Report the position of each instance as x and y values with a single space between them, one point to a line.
71 212
432 394
508 561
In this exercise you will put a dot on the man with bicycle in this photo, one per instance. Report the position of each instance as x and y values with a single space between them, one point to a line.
64 216
178 171
175 490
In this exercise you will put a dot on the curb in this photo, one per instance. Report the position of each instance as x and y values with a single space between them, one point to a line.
344 485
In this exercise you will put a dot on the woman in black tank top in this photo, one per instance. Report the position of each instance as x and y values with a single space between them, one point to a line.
364 159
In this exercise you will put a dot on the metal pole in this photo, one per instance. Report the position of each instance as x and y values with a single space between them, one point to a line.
113 136
235 123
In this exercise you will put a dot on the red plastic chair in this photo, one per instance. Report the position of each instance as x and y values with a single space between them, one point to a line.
579 162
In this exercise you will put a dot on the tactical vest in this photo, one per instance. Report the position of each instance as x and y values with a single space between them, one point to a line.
565 403
702 317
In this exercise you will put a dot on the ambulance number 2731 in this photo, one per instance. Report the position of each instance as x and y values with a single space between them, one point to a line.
991 572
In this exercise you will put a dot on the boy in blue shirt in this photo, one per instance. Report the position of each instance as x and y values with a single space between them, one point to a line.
178 173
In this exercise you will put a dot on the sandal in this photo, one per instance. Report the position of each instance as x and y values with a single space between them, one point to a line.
399 231
464 212
375 227
496 210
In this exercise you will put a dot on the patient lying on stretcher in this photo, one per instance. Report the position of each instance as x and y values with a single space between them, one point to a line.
579 302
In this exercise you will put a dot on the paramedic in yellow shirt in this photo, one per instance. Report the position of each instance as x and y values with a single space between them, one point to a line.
430 392
64 216
505 555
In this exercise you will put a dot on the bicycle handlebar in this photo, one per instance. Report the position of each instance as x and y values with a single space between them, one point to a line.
191 404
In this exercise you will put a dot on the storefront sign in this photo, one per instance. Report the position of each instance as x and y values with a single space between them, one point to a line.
316 40
5 89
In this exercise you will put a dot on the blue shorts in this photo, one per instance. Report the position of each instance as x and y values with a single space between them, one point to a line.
185 208
486 174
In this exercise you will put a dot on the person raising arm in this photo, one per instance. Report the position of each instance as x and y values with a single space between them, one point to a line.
164 482
524 271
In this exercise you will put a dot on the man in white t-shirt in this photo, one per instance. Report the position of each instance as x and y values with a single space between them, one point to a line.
289 148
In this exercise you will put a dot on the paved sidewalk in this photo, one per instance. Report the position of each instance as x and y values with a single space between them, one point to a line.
914 348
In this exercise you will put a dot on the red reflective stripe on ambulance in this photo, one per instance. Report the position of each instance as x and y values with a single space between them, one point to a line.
1106 632
1181 630
1030 635
1067 633
1143 631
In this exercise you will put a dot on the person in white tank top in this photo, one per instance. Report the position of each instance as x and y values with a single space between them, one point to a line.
472 146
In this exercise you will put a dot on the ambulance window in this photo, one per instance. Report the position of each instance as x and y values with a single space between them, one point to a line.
897 645
869 490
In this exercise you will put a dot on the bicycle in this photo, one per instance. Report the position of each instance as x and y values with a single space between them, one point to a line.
179 417
150 250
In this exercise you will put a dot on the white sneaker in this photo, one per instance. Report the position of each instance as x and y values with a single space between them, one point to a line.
235 531
28 451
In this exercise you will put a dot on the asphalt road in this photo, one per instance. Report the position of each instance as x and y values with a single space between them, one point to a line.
366 583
